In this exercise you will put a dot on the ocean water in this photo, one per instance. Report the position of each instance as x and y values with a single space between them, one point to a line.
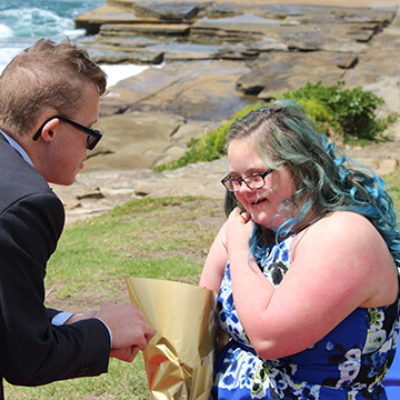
22 22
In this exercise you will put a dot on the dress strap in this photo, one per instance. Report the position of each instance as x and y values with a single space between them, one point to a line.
234 343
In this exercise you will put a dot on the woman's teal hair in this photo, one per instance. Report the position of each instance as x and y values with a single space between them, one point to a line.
284 135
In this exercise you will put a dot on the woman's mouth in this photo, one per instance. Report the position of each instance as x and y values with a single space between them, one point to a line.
261 198
255 203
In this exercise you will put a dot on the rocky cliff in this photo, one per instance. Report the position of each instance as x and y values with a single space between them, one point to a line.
209 59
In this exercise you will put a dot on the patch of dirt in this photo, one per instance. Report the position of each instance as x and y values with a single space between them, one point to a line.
93 299
378 151
87 299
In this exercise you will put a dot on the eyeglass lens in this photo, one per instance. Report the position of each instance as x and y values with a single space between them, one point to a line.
256 181
91 141
93 136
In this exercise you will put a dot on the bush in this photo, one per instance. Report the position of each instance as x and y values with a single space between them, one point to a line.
349 113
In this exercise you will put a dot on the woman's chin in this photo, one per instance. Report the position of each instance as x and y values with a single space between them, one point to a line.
260 219
266 221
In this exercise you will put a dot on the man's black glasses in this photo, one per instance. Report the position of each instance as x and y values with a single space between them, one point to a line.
93 135
255 181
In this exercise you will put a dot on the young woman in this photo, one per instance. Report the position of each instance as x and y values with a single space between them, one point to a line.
306 268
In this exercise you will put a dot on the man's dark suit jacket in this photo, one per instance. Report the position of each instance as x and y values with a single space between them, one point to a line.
33 352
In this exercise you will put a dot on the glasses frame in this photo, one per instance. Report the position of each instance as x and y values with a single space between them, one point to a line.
92 139
225 181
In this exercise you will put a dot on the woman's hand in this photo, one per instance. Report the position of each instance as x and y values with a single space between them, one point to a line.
238 230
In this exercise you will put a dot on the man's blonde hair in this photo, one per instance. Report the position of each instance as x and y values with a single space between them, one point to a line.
46 75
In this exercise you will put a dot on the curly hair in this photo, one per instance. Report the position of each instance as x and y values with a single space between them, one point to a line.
284 135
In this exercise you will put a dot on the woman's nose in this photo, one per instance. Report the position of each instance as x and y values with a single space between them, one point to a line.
244 188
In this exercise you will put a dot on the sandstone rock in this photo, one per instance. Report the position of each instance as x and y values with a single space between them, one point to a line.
180 139
131 30
283 71
210 59
105 55
142 140
164 10
279 47
133 140
92 20
118 187
95 194
209 22
238 28
199 90
377 70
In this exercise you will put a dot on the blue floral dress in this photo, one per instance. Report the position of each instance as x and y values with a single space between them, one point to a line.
349 363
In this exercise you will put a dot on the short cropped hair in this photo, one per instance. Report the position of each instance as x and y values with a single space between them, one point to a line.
46 75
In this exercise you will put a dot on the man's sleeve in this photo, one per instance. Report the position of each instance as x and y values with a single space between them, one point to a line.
33 351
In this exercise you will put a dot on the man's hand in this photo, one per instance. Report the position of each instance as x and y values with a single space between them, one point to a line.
128 354
130 333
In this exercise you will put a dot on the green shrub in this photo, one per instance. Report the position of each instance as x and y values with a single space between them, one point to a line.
355 112
349 113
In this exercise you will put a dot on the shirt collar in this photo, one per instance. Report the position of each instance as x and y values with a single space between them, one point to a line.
17 147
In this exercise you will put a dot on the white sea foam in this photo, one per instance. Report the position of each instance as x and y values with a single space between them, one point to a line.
118 72
5 31
31 21
20 27
115 73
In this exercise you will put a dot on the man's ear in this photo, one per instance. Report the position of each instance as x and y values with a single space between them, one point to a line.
49 130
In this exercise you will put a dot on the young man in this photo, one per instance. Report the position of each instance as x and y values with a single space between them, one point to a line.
49 97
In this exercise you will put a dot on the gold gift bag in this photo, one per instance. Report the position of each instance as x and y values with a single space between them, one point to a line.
179 359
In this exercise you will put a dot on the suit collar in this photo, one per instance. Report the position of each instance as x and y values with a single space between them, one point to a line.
16 146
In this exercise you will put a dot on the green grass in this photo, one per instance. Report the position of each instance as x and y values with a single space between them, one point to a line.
166 238
123 382
145 238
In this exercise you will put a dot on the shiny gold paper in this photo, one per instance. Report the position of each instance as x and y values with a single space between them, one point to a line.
179 359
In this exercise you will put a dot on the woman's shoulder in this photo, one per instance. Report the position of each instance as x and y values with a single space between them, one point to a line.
347 232
347 244
343 222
